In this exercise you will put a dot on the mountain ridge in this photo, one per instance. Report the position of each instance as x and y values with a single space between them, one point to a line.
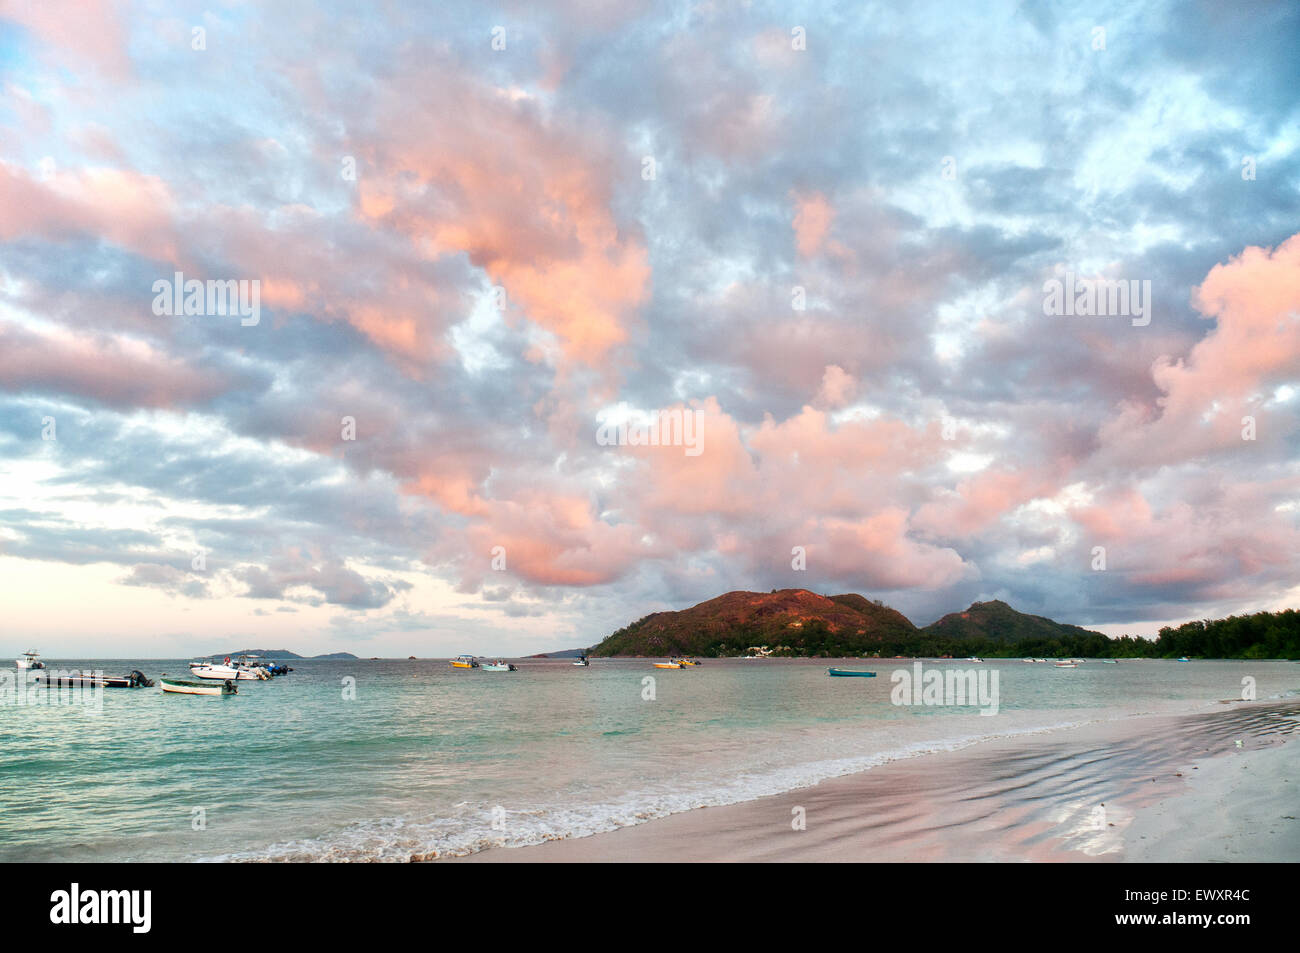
800 622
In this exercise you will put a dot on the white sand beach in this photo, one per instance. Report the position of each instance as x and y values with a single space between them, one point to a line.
1144 789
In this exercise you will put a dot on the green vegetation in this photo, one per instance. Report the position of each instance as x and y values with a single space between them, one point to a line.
1262 635
799 623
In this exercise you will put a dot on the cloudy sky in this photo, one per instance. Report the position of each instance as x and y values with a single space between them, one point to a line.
482 231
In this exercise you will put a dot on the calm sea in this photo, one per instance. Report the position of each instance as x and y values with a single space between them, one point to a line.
430 759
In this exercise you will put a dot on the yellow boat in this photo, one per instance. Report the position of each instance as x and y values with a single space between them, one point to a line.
464 661
668 664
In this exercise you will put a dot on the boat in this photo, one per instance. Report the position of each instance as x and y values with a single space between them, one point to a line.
255 662
29 660
178 687
89 680
1067 664
497 666
974 659
1184 659
464 661
1109 661
220 673
581 660
850 673
668 664
687 661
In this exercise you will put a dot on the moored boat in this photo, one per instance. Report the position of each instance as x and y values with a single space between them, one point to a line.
464 661
581 660
497 666
220 672
90 680
668 664
1067 664
850 673
178 687
29 660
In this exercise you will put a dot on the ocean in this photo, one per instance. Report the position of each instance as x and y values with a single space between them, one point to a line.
427 761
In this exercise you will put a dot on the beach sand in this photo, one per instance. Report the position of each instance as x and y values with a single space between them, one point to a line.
1153 788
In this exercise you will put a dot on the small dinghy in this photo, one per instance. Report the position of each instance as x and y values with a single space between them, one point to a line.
178 687
849 673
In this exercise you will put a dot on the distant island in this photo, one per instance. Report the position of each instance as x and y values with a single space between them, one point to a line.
562 653
791 623
284 654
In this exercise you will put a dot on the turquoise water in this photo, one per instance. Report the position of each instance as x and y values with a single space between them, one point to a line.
429 760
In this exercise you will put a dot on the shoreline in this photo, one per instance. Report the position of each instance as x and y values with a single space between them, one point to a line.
1118 791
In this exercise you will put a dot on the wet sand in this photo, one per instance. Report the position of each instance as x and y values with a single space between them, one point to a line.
1121 791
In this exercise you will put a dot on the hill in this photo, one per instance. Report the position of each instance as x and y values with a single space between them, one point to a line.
796 622
997 622
790 621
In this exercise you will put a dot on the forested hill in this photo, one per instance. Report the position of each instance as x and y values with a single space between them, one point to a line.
797 622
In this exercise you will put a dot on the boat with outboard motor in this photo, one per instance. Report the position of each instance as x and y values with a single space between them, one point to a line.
464 661
220 672
177 687
29 660
498 666
582 660
136 679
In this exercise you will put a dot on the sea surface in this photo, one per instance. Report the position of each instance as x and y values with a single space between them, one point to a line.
398 760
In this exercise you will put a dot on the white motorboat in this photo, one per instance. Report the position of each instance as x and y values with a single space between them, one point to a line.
29 660
220 672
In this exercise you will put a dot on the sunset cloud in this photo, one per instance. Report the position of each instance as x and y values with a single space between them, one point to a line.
470 258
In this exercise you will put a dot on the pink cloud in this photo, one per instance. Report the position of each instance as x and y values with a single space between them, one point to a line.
812 222
116 371
1229 374
525 197
90 32
127 208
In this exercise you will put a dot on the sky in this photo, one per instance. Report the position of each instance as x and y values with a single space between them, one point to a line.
479 237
